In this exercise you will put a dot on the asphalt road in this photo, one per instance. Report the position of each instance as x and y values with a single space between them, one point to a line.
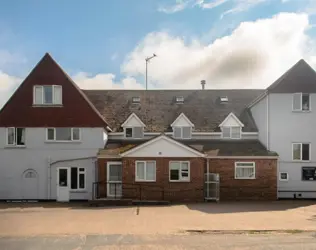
299 241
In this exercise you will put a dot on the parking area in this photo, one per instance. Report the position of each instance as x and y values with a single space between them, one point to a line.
18 219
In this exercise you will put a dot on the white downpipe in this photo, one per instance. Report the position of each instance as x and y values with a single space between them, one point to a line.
268 146
207 174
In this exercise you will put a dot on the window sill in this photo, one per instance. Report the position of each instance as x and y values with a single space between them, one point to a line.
78 190
47 105
283 180
15 146
63 142
245 178
301 161
301 111
179 181
144 181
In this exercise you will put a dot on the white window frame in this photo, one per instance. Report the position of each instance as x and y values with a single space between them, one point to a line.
78 179
181 179
301 154
145 166
133 134
15 137
301 102
231 132
287 176
180 99
54 140
53 95
247 162
136 99
181 137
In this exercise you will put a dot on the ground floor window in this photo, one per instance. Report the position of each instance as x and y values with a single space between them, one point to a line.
179 170
77 178
283 176
309 173
245 170
145 171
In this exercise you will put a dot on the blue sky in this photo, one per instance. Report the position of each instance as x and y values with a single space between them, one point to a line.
107 40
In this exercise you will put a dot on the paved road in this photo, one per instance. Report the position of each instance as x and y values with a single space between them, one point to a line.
306 241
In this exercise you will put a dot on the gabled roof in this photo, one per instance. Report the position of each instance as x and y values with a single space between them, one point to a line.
300 78
158 108
76 109
183 116
133 115
232 115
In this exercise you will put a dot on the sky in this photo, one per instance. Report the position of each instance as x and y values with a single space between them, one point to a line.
102 44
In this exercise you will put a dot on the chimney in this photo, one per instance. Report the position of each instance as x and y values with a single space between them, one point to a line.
203 84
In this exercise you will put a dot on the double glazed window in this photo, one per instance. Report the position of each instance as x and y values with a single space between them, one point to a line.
145 171
63 134
301 102
78 178
182 132
301 151
309 173
134 132
231 132
47 95
16 136
245 170
179 171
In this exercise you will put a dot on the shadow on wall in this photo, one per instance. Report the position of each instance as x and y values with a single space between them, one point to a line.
252 206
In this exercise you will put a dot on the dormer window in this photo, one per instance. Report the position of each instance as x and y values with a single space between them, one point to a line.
136 99
231 132
180 99
134 132
182 132
301 102
47 95
231 127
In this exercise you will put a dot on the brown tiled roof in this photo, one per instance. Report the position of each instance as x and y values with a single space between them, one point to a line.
300 78
158 108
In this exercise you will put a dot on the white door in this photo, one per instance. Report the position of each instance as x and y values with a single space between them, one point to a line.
114 179
63 184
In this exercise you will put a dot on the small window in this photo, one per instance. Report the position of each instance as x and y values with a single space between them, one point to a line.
231 132
301 151
77 178
301 102
145 171
245 170
47 95
180 99
134 132
63 134
16 136
179 171
309 173
283 176
136 99
224 99
182 132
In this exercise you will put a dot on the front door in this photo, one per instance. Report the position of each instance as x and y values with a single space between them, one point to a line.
63 184
114 179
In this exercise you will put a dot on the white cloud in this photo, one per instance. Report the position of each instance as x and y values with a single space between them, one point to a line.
178 6
253 56
104 81
242 5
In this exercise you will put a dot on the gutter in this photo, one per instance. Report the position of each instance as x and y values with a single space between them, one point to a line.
243 157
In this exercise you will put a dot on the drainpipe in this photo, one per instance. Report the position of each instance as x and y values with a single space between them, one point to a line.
207 176
49 176
268 142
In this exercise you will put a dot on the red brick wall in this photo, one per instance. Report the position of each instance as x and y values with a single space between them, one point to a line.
263 187
173 191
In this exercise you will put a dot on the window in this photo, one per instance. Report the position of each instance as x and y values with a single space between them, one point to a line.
145 171
136 99
182 132
63 134
179 99
245 170
283 176
16 136
309 173
77 178
301 151
179 171
47 95
224 99
301 102
134 132
231 132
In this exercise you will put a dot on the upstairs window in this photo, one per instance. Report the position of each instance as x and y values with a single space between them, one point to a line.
63 134
47 95
134 132
301 151
301 102
182 132
231 132
16 136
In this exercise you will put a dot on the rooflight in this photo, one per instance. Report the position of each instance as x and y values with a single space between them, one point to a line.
136 99
224 99
179 99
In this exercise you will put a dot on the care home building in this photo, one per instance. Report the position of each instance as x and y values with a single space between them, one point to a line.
58 142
